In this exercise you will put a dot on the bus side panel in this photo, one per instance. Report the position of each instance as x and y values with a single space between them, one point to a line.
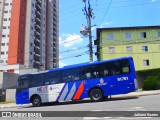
54 91
22 97
71 91
41 91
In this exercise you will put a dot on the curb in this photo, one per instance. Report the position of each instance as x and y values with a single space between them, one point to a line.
138 94
13 106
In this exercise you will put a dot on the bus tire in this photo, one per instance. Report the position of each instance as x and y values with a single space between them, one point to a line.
96 95
36 101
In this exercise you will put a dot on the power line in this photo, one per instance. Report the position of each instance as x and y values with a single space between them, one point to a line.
106 12
83 47
132 5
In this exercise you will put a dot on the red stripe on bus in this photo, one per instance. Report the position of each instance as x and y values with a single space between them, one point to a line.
79 91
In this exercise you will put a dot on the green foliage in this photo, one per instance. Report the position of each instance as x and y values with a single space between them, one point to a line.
146 73
151 83
143 77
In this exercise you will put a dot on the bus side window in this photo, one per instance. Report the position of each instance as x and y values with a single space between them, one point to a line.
125 66
66 76
75 74
90 72
47 80
37 80
54 77
116 68
105 70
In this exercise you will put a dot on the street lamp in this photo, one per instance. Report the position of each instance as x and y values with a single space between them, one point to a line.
86 31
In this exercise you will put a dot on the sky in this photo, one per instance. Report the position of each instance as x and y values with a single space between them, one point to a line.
73 46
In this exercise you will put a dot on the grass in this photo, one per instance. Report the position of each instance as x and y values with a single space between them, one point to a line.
6 102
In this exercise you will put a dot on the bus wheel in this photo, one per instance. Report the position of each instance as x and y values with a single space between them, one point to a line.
96 95
36 101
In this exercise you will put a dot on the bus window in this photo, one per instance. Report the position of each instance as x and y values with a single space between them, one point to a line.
117 68
125 66
70 75
22 83
90 72
53 78
37 80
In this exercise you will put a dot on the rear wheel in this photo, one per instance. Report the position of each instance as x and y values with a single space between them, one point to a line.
36 101
96 95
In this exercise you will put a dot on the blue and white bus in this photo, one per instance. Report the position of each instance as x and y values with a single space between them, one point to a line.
95 80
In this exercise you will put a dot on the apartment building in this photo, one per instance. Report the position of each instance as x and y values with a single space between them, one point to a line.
142 43
29 33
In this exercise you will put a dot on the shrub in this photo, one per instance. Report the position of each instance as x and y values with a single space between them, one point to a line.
151 83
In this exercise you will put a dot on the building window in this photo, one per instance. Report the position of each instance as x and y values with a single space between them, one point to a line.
143 35
31 61
32 4
5 11
20 60
146 62
6 4
110 36
129 49
4 27
1 61
21 51
158 34
5 19
3 35
3 44
2 53
128 35
111 49
144 48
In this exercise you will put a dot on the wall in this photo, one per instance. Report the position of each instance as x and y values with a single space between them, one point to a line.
10 95
8 80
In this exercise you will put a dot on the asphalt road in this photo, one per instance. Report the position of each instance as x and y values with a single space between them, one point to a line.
136 104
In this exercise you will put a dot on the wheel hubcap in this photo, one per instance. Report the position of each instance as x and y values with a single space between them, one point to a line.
36 101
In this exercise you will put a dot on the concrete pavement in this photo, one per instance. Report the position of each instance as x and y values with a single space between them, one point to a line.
137 93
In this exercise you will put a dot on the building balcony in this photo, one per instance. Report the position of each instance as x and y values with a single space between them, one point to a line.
37 54
39 1
37 40
37 26
37 19
37 33
37 23
36 44
37 47
38 13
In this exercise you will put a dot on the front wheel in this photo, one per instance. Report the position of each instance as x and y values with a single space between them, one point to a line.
96 95
36 101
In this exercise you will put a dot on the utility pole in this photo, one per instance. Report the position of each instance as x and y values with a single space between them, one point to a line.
86 31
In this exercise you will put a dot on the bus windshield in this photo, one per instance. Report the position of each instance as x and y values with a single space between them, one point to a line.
22 83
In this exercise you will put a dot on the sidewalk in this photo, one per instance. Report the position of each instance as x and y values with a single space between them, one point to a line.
132 94
138 93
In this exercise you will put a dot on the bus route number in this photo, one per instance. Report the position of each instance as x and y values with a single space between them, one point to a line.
122 78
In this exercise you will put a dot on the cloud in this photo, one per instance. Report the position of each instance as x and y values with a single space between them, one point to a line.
105 24
61 64
153 0
68 40
60 40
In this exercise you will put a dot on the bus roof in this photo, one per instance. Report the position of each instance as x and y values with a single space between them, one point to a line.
87 63
78 65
